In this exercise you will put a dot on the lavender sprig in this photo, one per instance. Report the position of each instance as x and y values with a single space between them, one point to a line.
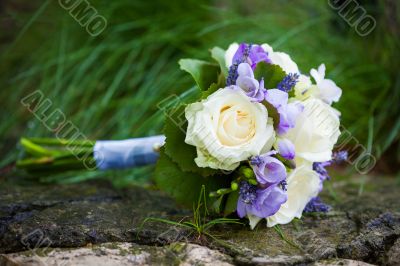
288 82
316 205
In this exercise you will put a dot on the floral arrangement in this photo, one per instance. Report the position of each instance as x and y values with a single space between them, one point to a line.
259 135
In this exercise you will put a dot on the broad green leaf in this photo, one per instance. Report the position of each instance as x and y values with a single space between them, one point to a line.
184 187
181 153
218 54
231 202
204 73
272 74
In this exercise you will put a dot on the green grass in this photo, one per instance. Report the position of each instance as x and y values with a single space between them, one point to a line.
199 226
109 86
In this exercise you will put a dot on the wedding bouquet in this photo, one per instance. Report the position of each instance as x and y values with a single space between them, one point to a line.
258 137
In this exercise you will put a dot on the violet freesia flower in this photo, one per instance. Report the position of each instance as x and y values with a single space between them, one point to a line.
260 202
246 81
246 53
251 54
288 112
268 170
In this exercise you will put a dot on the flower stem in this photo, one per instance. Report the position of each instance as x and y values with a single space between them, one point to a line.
55 155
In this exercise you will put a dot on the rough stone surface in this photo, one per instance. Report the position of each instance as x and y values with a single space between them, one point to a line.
120 254
341 262
394 253
360 228
75 215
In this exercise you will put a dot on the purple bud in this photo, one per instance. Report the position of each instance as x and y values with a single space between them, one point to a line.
286 149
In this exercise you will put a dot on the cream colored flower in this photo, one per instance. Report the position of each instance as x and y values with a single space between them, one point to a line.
324 89
228 128
230 53
316 131
281 59
302 185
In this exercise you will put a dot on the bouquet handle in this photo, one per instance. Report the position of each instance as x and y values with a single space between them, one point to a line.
43 155
120 154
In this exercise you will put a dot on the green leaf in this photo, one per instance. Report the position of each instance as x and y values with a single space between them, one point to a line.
272 74
231 202
217 204
272 112
184 187
181 153
213 88
218 54
204 73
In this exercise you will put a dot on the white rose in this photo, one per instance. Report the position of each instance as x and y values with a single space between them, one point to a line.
227 128
316 131
302 185
281 59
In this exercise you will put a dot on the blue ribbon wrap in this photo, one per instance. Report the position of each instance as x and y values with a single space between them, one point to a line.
120 154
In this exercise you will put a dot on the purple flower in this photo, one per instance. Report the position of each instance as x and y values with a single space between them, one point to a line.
246 53
247 192
277 98
268 170
261 202
322 172
283 184
288 112
246 81
337 157
251 54
286 149
288 82
232 74
340 156
320 169
316 205
288 115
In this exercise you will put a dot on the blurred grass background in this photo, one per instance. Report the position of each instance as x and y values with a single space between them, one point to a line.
109 85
